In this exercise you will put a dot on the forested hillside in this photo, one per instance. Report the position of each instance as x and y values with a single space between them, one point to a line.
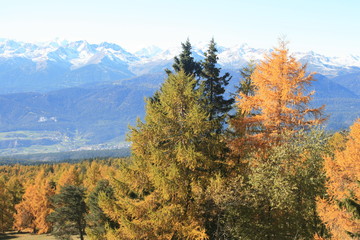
204 165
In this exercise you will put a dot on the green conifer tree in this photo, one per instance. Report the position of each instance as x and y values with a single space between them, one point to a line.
69 215
214 84
185 61
96 219
246 85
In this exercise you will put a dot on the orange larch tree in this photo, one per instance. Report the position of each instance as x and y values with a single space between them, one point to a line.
275 161
341 210
279 102
70 176
33 210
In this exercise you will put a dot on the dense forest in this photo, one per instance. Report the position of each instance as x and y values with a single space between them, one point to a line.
203 166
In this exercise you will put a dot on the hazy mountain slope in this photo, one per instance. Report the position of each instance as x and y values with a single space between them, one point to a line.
350 81
70 118
328 88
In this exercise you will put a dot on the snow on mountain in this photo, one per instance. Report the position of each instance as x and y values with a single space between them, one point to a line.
148 52
330 66
237 56
78 54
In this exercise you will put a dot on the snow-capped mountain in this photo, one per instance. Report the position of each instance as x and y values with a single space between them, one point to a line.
92 92
148 52
79 53
60 63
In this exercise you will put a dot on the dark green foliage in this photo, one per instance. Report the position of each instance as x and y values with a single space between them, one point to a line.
185 62
96 219
214 85
69 215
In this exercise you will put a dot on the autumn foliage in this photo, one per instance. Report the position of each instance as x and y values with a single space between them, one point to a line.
279 102
33 210
265 177
341 209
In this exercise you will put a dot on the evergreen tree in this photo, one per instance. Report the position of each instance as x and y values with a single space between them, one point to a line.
161 194
214 84
185 62
246 86
69 212
96 219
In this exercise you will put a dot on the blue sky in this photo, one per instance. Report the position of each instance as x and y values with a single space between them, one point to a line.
330 27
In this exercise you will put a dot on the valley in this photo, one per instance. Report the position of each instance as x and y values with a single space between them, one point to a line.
73 96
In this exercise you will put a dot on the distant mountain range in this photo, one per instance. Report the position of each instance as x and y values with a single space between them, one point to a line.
60 64
64 96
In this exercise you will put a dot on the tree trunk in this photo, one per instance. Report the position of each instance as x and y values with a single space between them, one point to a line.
81 232
81 235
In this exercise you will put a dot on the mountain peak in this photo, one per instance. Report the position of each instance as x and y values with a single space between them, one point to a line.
81 53
148 52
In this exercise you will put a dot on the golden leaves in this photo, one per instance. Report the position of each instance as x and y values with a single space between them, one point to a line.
343 172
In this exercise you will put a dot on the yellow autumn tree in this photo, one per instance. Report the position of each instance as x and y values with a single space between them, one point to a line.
24 217
341 210
279 102
93 175
33 210
70 176
160 193
6 206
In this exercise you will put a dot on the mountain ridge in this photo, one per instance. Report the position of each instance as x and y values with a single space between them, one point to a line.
67 96
63 63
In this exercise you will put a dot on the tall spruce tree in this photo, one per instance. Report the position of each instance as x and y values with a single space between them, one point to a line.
185 61
214 85
160 195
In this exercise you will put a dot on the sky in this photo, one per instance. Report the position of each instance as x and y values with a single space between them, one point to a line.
330 27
